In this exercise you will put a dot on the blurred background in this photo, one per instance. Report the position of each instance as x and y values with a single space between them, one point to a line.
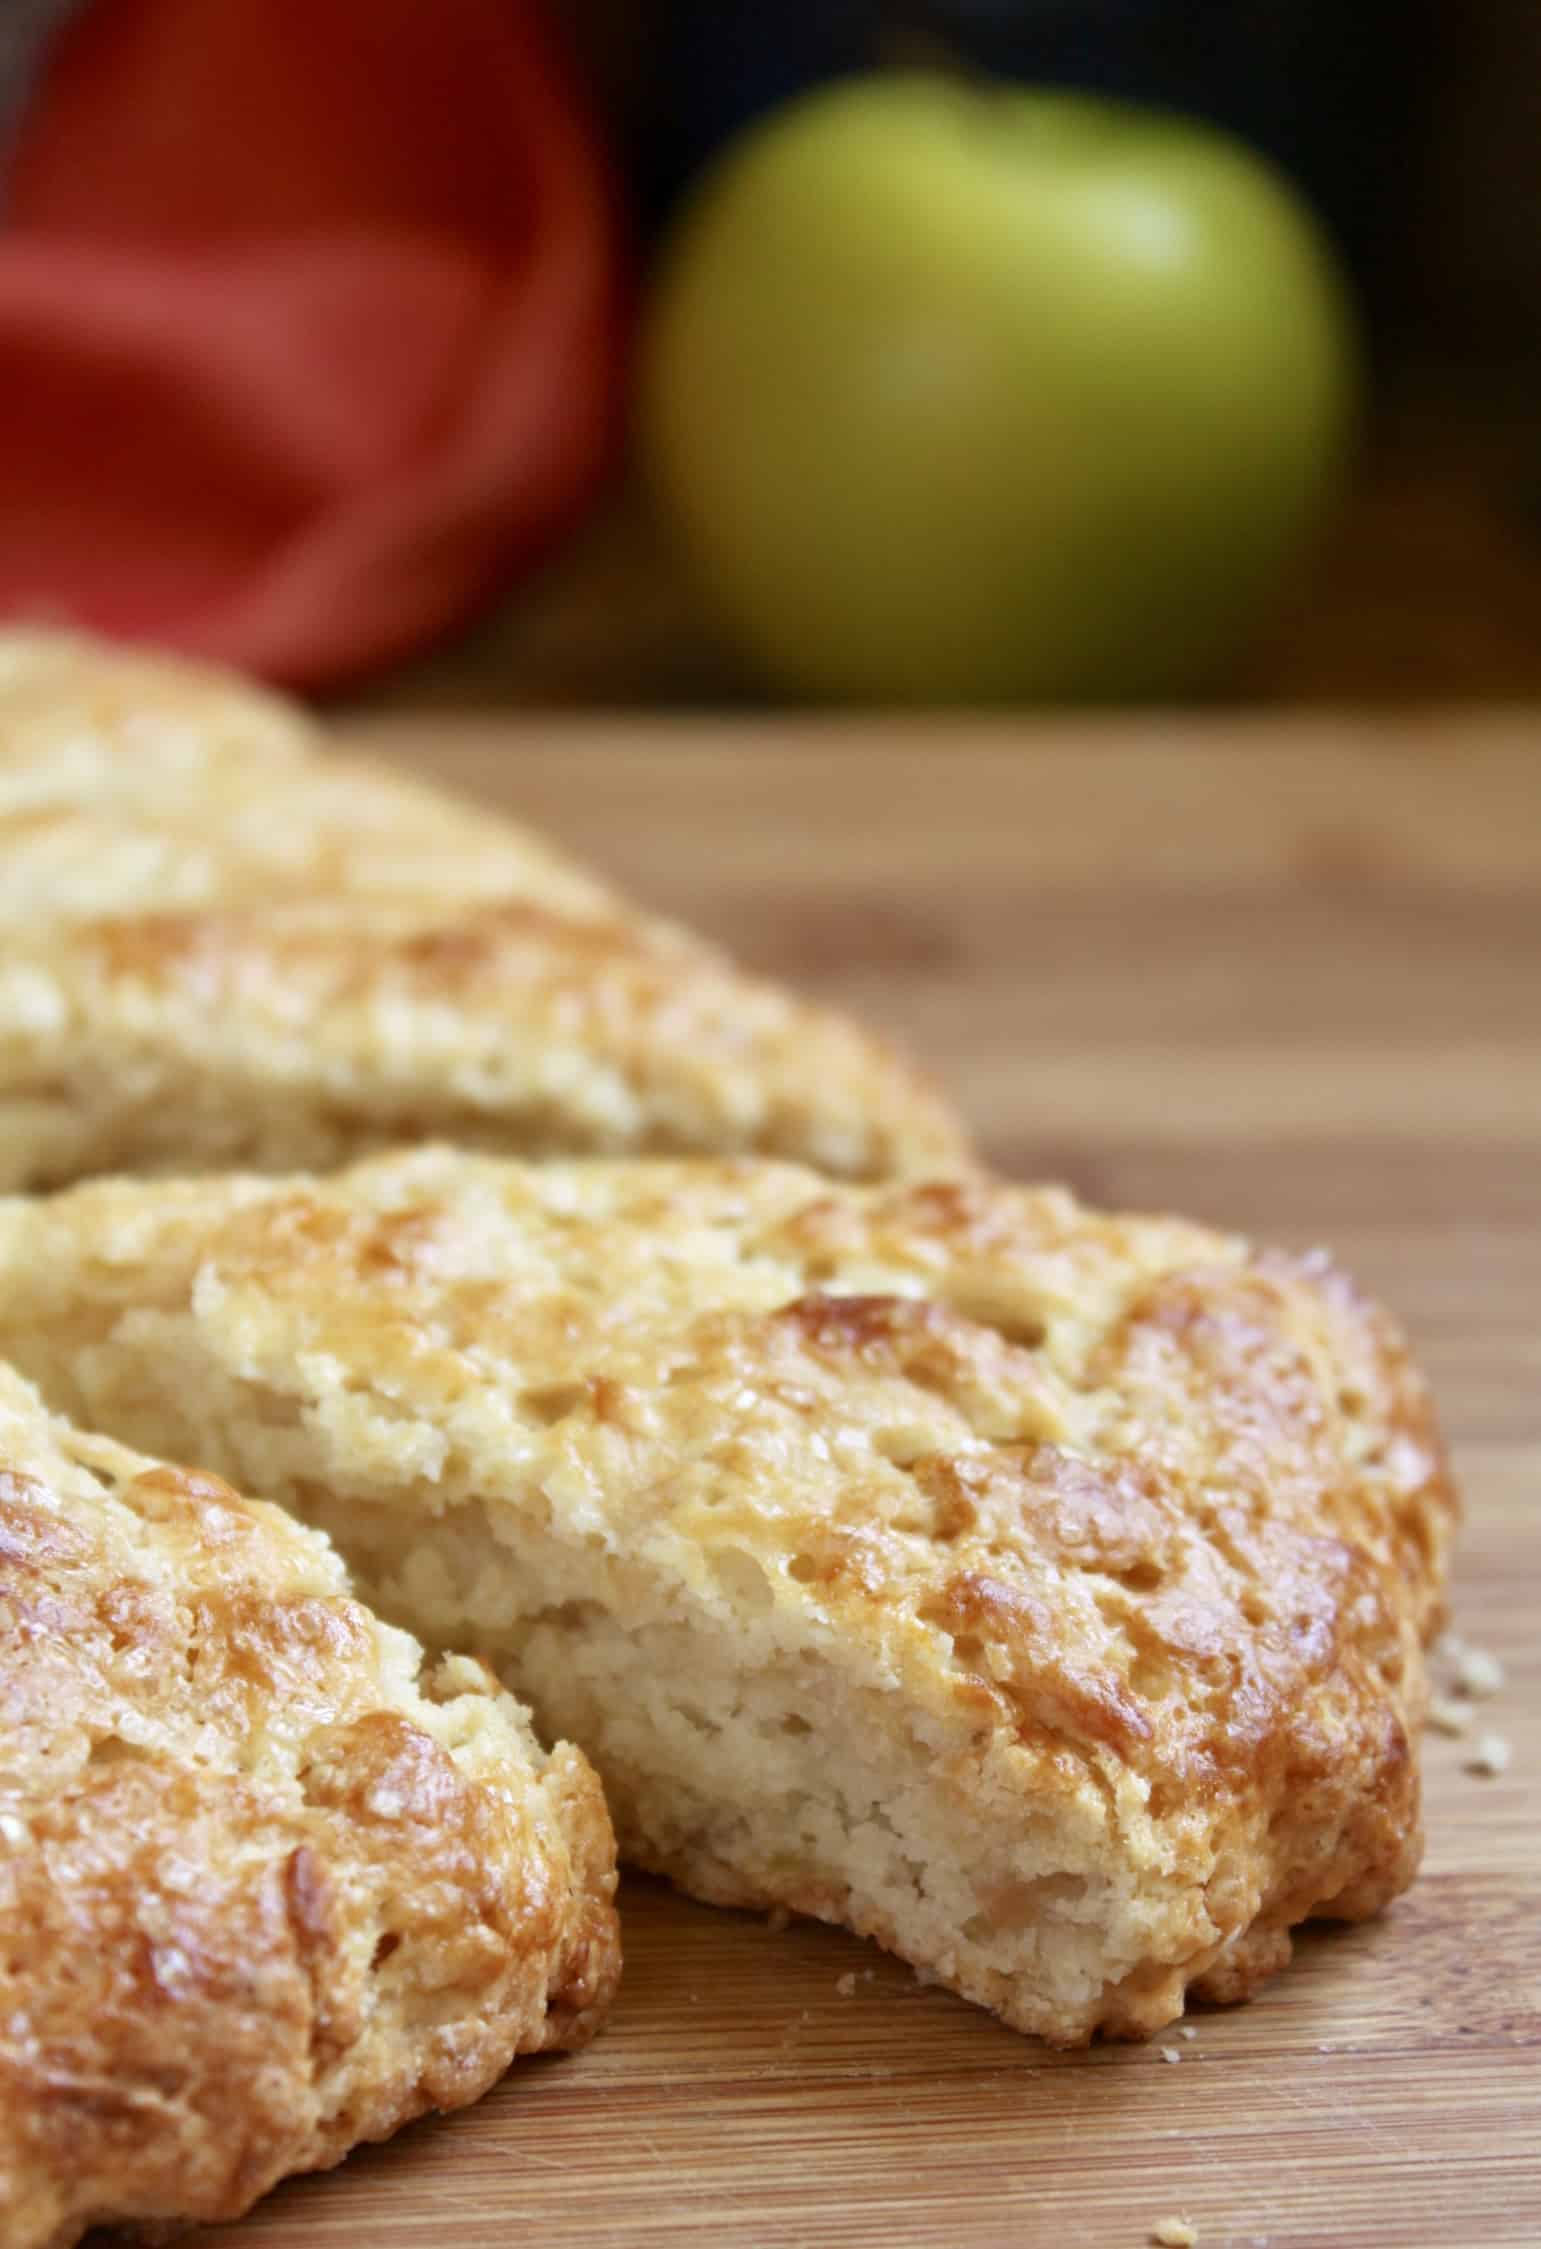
324 336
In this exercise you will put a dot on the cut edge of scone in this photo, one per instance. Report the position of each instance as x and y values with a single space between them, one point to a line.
272 1882
1036 1592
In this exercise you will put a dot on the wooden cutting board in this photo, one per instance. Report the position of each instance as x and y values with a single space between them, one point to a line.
1283 975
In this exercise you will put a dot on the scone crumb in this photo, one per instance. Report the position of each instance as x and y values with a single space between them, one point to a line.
1448 1716
1186 2030
1175 2233
1489 1755
1478 1674
846 1984
1171 2054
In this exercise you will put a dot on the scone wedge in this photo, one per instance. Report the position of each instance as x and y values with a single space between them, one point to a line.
221 944
1037 1592
270 1883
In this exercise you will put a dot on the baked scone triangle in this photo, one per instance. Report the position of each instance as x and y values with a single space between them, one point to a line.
271 1883
221 945
1038 1592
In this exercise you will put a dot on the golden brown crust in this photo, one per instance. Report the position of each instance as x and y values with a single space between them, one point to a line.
265 1891
225 948
1137 1531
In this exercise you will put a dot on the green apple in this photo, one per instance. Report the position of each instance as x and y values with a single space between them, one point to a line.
960 392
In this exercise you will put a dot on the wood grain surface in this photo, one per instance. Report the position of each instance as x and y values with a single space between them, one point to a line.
1286 976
